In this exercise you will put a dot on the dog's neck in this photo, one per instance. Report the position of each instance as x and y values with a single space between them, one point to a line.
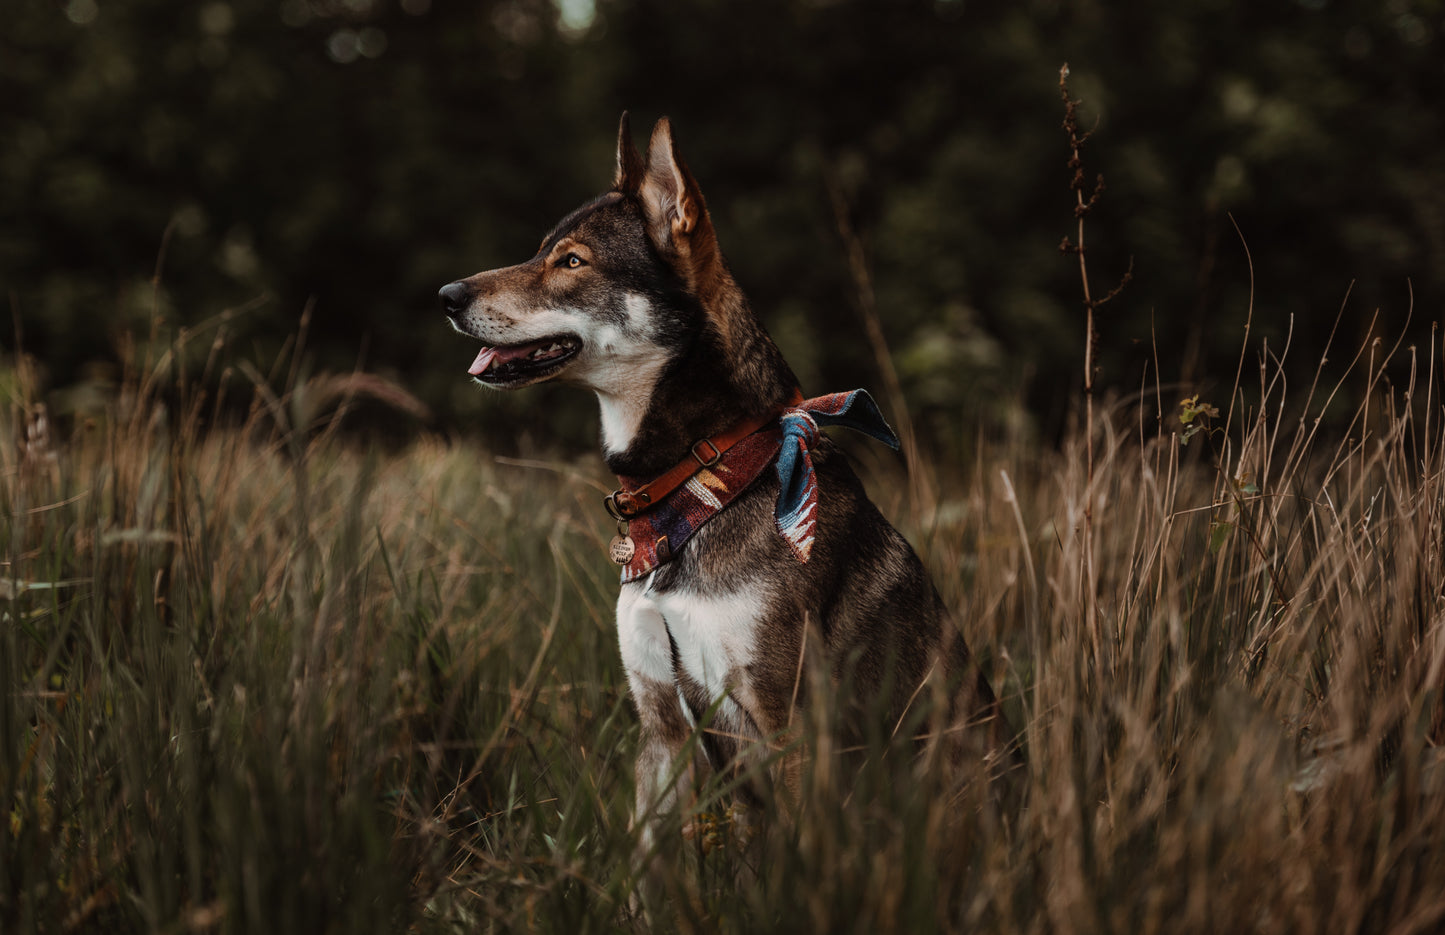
700 392
624 408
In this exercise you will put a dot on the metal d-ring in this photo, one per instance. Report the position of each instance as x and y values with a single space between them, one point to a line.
614 509
622 505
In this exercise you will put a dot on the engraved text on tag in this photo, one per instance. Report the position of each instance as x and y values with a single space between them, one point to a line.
622 549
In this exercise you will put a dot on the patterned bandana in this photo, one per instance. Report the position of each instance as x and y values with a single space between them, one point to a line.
660 532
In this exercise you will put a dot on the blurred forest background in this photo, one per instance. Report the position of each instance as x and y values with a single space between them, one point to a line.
258 158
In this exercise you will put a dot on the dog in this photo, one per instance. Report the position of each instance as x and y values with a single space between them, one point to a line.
741 529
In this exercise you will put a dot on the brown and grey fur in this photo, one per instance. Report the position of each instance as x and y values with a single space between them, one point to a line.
724 624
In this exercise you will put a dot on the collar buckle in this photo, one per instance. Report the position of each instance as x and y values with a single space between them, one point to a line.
709 460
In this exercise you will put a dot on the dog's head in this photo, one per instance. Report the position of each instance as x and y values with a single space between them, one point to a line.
615 288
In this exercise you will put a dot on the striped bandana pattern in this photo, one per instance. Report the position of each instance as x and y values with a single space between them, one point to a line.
660 533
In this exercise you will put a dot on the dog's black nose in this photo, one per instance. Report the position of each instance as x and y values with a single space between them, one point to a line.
455 298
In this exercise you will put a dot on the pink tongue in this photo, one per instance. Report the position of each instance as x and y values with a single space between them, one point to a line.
499 355
483 361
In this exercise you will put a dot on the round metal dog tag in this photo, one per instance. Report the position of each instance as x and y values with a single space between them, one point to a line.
622 549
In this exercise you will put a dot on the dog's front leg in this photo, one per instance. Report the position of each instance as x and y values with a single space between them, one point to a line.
662 780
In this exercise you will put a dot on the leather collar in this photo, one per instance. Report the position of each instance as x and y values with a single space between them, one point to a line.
632 499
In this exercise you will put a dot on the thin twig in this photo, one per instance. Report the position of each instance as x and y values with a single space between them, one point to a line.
920 490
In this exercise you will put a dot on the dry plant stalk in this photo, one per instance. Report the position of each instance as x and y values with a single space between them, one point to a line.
1082 207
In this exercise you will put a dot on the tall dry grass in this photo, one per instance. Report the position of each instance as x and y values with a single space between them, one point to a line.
259 679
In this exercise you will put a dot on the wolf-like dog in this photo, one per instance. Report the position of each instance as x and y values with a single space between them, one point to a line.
742 530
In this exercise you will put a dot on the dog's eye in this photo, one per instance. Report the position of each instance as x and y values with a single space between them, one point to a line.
573 261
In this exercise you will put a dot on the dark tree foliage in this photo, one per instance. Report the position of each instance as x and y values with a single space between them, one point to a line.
351 156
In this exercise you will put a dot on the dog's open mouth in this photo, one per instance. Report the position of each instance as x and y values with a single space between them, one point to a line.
505 365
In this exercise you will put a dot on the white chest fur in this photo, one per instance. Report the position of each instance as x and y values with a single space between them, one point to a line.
715 634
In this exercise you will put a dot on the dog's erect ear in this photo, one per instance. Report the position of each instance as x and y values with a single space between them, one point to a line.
629 163
670 198
678 225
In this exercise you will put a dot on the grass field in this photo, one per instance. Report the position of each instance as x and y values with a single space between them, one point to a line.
256 679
